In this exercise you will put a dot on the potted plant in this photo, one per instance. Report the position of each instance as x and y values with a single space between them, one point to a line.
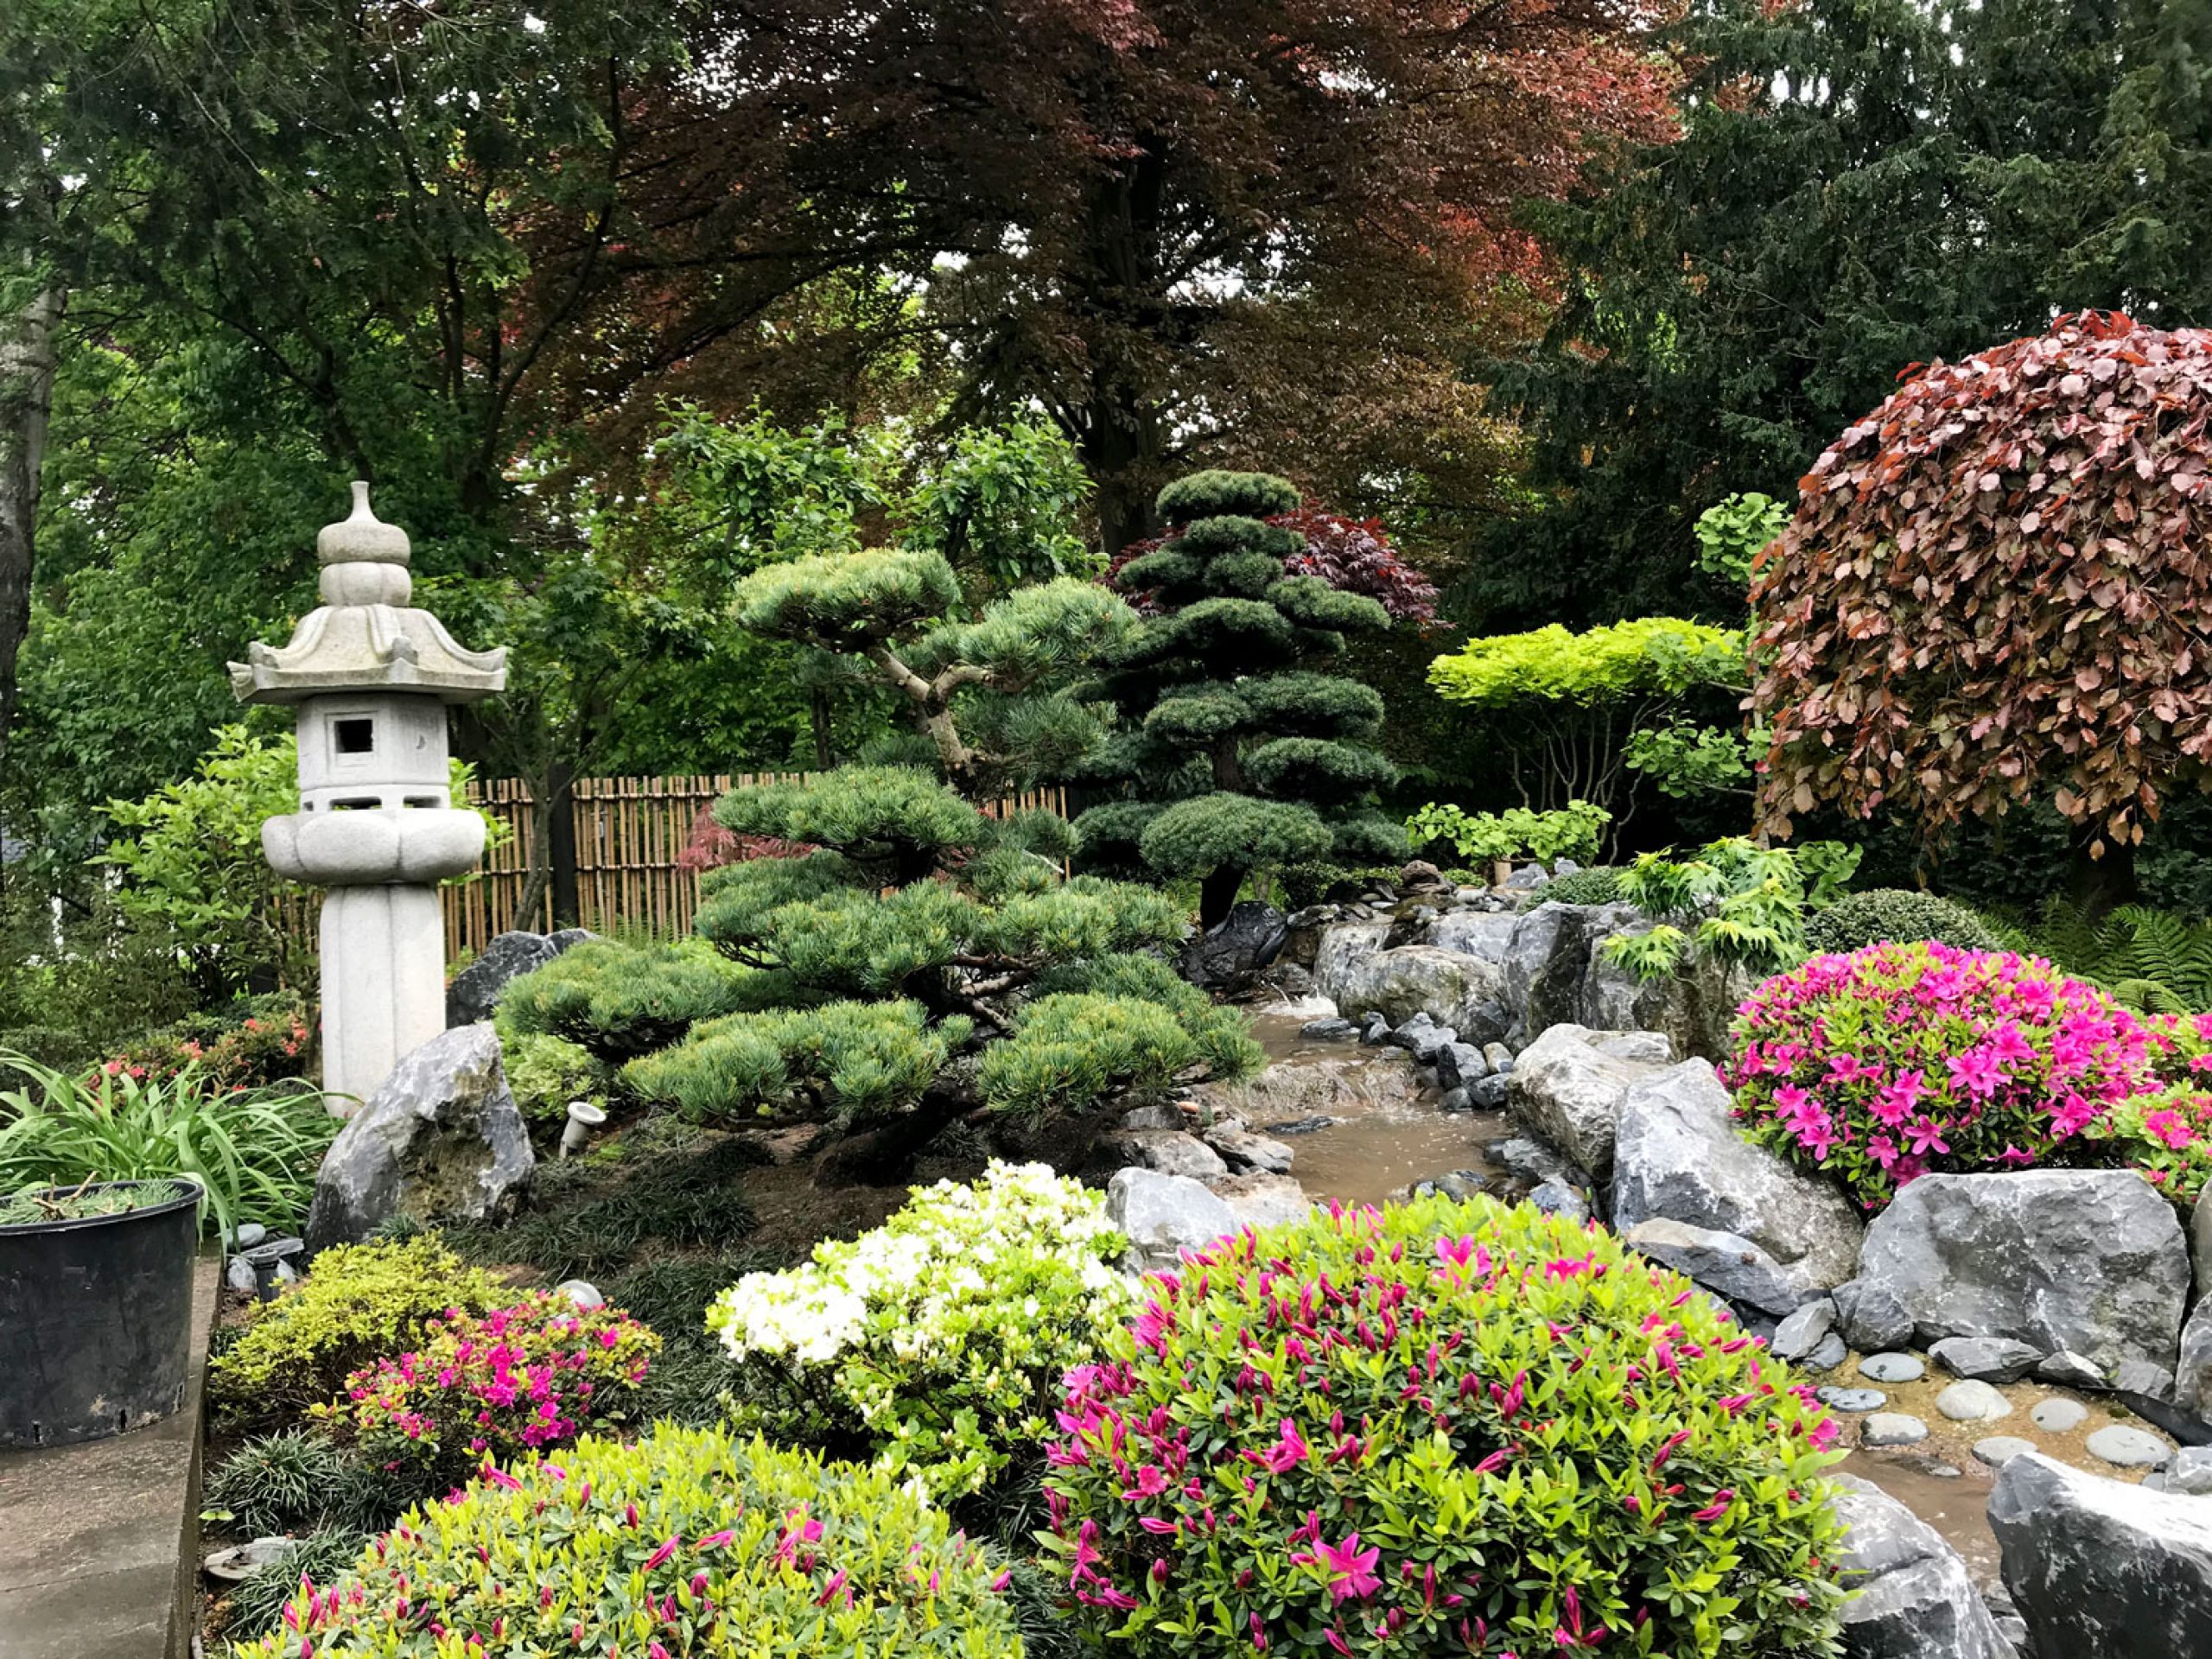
95 1307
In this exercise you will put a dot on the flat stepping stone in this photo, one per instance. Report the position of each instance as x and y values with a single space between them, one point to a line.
1890 1368
1998 1450
1973 1403
1892 1429
2059 1416
1854 1399
2129 1448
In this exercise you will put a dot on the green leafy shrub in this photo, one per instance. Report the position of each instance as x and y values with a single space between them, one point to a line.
519 1380
1442 1428
707 1545
1488 838
1898 914
936 1344
618 1001
357 1303
1599 885
253 1151
257 1041
284 1482
1735 901
545 1073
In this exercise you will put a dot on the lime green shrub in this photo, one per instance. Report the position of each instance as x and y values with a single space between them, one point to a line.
1734 902
544 1073
1484 838
1898 915
1441 1429
688 1541
936 1344
357 1303
618 1001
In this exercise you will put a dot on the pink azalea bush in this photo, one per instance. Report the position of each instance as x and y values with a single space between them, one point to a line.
1440 1428
1899 1059
488 1388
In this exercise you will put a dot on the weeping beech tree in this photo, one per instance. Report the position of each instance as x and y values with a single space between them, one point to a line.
1236 751
919 961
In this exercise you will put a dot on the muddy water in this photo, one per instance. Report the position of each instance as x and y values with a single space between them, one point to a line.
1956 1504
1386 1131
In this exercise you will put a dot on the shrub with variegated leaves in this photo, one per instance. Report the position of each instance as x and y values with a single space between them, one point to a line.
1899 1059
515 1381
689 1544
1441 1429
936 1344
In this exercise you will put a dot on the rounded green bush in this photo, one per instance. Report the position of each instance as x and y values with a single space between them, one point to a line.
1899 916
1441 1429
1599 885
689 1542
544 1073
1212 494
1207 831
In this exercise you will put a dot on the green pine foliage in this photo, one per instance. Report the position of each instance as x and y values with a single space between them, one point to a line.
1237 750
618 1001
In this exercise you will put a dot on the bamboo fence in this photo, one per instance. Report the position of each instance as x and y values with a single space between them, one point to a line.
629 833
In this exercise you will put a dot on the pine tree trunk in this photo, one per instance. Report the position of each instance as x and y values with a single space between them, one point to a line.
1217 895
29 346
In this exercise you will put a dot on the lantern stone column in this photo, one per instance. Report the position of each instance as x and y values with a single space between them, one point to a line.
370 679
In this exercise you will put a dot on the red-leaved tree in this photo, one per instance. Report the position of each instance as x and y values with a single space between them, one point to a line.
1353 555
1997 587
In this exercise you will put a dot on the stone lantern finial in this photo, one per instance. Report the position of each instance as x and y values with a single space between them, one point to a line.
369 677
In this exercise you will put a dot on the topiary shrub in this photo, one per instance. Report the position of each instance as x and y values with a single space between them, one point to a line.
1898 1059
519 1380
619 1001
1898 915
1441 1429
688 1541
357 1303
936 1344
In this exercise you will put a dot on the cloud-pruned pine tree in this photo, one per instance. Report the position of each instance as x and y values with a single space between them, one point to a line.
1236 749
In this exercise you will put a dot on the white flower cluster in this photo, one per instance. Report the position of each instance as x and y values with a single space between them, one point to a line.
944 1332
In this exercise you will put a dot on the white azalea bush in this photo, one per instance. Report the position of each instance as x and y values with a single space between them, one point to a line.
935 1344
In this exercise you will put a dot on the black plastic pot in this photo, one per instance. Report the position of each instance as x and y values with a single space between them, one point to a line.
96 1319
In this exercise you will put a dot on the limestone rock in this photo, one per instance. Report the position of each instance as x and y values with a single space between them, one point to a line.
2126 1447
1171 1152
1484 934
1458 1066
1693 1007
1891 1368
2088 1260
1555 1199
1245 1151
1344 947
1870 1317
1891 1428
1261 1199
1831 1353
2059 1415
1985 1359
1678 1153
477 989
1914 1600
2193 1374
1162 1215
2200 1242
1804 1330
1545 960
1973 1403
1570 1094
2070 1370
1727 1264
441 1140
1997 1450
2100 1569
1464 992
2191 1472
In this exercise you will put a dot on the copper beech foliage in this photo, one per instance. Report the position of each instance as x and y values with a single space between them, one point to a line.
1996 586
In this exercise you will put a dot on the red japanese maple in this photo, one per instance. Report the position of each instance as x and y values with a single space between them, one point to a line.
1996 586
1354 554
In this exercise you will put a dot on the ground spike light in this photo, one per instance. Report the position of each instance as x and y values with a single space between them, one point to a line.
370 678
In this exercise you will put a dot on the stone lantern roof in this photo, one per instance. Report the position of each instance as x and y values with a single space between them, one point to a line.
365 636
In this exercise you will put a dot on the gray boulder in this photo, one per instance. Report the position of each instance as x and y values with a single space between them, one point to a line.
1171 1152
1693 1007
1460 1066
1225 957
1915 1598
1985 1359
1870 1317
1245 1151
477 989
2200 1242
1727 1264
1464 992
2088 1260
1260 1200
441 1140
1569 1092
1484 934
2193 1376
1677 1152
2100 1569
1342 947
1162 1215
1546 957
1804 1330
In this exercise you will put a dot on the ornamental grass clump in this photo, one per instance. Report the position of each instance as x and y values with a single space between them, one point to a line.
1441 1429
1899 1059
936 1344
686 1545
517 1381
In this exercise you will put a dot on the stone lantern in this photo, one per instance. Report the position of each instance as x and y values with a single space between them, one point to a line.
369 677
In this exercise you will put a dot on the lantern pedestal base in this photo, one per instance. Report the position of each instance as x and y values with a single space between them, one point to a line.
383 983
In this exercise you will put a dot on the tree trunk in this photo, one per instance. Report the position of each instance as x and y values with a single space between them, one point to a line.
825 748
539 864
1217 895
562 850
2097 886
29 346
1120 436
